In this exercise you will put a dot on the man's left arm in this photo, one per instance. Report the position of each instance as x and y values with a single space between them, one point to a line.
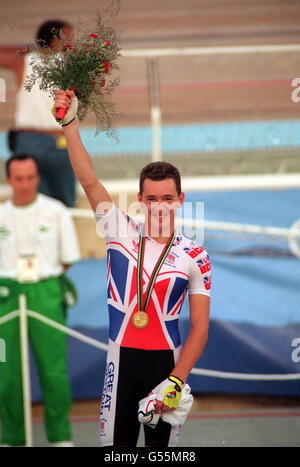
193 348
197 337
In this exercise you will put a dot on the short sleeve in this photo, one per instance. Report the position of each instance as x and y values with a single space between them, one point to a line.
116 225
200 276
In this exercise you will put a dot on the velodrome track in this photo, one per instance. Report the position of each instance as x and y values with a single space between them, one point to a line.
243 428
206 88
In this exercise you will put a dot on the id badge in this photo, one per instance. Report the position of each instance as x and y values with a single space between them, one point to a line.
27 269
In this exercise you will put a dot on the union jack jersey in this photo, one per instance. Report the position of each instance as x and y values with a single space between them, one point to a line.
186 268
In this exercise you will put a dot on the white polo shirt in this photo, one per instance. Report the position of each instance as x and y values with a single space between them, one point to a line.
44 229
33 109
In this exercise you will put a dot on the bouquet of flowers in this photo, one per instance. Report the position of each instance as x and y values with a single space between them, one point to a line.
84 65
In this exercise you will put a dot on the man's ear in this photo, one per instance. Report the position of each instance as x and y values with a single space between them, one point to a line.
181 198
140 197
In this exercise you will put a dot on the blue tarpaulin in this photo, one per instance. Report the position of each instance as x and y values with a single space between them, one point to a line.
186 138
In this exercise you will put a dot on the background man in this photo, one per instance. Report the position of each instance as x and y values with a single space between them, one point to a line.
37 244
145 352
36 131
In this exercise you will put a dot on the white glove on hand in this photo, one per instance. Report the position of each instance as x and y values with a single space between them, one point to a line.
70 114
169 391
146 412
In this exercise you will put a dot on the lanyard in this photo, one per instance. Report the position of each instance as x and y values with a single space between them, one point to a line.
140 261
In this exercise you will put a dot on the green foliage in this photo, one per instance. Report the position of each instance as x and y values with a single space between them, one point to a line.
86 63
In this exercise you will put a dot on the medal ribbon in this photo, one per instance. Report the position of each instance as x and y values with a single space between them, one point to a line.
155 271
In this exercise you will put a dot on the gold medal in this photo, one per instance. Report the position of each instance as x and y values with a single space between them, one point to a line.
140 319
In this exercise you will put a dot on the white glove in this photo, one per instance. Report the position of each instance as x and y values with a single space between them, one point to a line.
169 391
146 412
148 416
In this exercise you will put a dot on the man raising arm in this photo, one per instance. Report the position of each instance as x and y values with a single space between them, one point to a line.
150 268
80 160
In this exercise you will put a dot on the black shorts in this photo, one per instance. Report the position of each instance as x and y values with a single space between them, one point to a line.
130 375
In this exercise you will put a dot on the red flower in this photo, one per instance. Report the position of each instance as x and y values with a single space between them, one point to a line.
93 36
68 46
107 42
106 66
103 83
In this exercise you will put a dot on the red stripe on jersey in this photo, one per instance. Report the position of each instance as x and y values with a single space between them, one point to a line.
134 257
133 288
113 293
161 292
108 269
174 272
178 305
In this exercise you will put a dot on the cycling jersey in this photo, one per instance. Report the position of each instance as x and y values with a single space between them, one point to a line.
139 359
186 268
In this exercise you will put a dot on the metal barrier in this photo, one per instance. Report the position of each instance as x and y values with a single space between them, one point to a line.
291 234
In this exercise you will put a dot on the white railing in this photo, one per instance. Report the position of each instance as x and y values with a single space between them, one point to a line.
208 183
23 313
292 234
212 50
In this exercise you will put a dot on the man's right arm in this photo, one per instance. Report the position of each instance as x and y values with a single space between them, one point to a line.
80 160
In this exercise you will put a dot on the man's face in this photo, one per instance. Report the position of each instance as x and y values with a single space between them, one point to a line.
160 200
56 43
24 179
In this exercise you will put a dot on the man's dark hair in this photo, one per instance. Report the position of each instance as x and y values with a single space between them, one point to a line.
19 157
160 171
50 30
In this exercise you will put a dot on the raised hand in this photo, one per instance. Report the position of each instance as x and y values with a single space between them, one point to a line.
66 105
